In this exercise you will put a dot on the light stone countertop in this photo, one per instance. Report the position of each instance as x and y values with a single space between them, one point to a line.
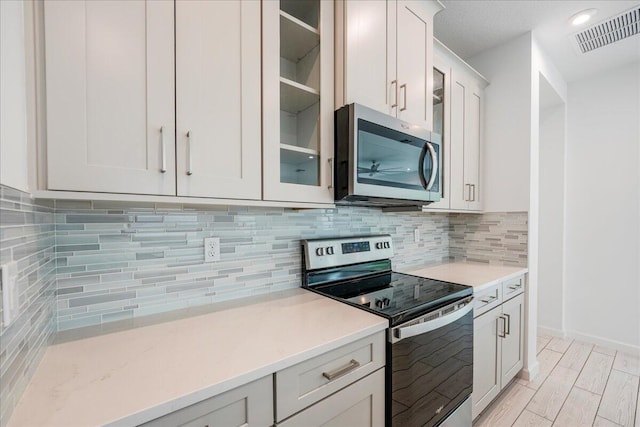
135 375
478 275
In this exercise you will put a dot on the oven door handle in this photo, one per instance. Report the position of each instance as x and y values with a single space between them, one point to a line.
401 332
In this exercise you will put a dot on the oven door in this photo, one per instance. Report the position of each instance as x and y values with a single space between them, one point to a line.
430 366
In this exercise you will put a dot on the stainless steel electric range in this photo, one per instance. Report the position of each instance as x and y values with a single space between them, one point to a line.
429 365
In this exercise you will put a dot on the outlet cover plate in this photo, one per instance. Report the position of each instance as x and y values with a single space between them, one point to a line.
10 300
211 249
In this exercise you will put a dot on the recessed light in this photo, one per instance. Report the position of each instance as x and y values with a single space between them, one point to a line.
311 157
582 16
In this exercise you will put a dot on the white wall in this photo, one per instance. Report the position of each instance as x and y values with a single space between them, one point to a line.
13 96
603 213
507 106
551 293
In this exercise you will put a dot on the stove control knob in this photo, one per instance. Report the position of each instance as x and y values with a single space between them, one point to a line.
379 303
379 245
329 250
386 245
319 251
386 301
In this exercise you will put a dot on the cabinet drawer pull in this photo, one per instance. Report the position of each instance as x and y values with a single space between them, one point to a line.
473 198
163 166
504 327
489 299
514 287
404 103
353 364
508 324
189 162
395 103
331 171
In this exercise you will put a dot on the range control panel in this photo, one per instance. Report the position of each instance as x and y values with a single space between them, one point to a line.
323 253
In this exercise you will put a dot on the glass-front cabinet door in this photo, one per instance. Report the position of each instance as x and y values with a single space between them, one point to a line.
297 55
441 113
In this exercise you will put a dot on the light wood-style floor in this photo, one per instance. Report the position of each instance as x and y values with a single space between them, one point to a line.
578 385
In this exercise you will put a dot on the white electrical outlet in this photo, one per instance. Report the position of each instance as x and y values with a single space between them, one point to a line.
10 302
211 249
416 235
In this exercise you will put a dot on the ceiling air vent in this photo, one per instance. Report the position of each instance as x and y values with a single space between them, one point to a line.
610 31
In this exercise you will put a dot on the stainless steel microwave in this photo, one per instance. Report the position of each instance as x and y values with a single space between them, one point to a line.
383 161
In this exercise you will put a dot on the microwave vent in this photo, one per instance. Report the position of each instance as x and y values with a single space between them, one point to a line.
614 29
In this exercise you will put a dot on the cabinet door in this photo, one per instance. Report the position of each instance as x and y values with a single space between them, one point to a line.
415 63
298 100
513 343
248 405
459 190
218 99
360 404
441 125
110 96
466 133
13 97
486 359
472 141
366 55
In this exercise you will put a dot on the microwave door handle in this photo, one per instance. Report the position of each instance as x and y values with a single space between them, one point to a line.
423 179
434 168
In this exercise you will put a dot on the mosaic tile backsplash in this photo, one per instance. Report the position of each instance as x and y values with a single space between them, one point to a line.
494 238
117 261
27 241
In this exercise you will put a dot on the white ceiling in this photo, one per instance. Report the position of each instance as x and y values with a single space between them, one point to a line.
469 27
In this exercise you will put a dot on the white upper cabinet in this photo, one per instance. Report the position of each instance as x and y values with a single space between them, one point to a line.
218 145
466 135
365 59
385 57
297 100
110 96
458 118
13 96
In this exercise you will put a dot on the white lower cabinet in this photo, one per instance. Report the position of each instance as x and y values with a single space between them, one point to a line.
248 405
498 347
360 404
342 387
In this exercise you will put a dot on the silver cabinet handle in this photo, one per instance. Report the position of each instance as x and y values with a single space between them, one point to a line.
504 327
404 103
189 161
352 365
514 287
434 169
467 197
473 198
331 171
508 326
163 166
489 299
395 103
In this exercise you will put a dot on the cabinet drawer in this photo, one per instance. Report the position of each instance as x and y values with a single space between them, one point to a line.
512 287
487 299
305 383
360 404
247 405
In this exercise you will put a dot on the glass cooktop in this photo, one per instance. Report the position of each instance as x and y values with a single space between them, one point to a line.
396 296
